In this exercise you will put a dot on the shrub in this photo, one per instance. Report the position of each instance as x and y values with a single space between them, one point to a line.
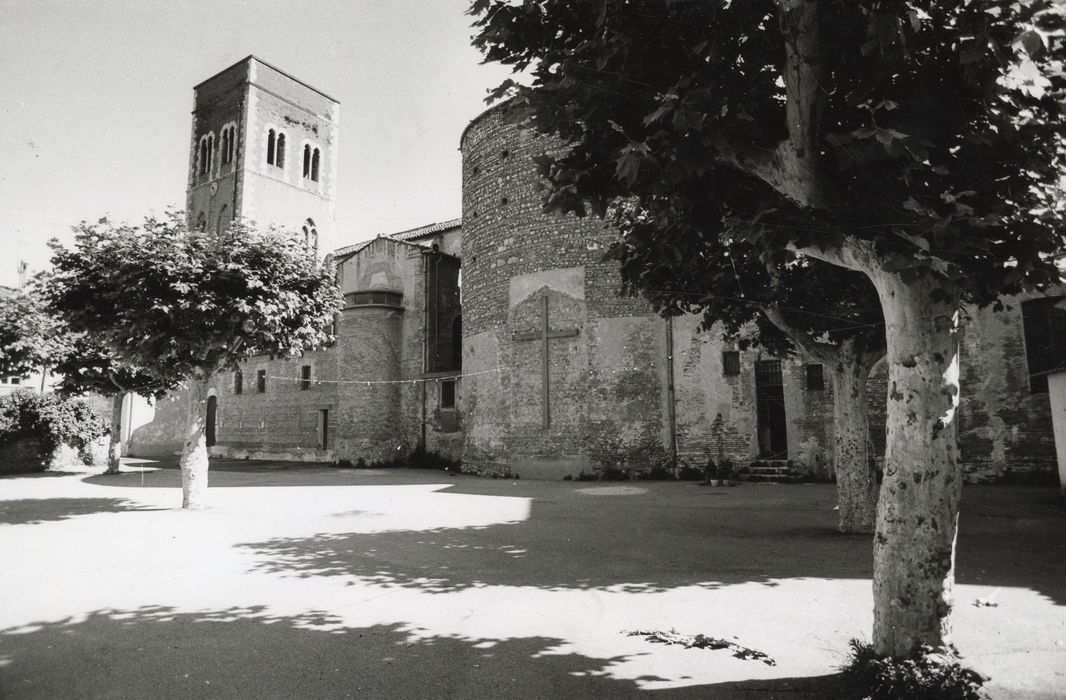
52 420
928 674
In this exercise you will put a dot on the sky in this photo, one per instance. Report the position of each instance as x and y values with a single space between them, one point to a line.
97 99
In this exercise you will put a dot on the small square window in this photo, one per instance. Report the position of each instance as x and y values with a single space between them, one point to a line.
261 381
15 380
447 394
731 363
815 378
305 377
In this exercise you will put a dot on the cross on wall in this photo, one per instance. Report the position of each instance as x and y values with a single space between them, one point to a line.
545 335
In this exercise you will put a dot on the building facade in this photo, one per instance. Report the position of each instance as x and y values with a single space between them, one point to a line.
503 341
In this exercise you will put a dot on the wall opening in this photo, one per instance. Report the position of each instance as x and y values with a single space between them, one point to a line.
772 424
212 415
323 428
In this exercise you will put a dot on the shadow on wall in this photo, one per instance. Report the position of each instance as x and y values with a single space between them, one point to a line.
245 652
157 428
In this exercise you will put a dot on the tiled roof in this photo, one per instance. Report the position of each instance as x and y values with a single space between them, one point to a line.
408 236
428 230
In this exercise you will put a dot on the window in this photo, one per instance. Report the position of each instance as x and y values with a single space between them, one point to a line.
1044 323
307 160
305 377
207 147
447 393
815 378
271 147
280 153
314 165
238 383
373 299
730 363
226 145
201 222
261 381
14 380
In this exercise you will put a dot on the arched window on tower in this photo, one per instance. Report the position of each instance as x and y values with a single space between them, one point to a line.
204 157
226 144
201 222
280 153
310 234
307 160
314 165
271 146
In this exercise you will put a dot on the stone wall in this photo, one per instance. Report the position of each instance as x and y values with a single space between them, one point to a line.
606 396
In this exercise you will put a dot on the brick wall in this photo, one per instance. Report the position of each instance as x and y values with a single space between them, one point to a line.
607 388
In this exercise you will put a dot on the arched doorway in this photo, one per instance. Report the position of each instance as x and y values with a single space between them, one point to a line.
212 411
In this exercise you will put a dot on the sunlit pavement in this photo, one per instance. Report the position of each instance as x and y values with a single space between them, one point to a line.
312 581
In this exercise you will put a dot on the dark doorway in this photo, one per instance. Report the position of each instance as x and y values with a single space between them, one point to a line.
323 428
770 407
212 411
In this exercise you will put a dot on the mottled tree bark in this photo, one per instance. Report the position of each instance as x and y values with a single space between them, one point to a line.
114 449
856 478
914 544
194 454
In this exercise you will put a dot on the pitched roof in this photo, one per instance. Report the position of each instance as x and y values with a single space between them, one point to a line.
427 230
408 236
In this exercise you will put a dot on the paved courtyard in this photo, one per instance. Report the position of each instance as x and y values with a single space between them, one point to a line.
313 581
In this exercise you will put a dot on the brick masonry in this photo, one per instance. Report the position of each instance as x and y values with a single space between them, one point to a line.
610 396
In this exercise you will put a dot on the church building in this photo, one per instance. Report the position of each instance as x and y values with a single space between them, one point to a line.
500 339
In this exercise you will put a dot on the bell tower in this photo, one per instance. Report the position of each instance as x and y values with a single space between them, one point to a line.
263 147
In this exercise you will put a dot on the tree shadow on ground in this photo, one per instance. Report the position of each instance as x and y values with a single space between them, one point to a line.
1009 537
248 652
32 511
563 547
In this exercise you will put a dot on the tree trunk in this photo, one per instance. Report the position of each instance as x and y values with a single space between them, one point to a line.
856 479
114 449
194 455
917 516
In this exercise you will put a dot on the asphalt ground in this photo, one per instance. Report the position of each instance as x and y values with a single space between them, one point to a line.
310 581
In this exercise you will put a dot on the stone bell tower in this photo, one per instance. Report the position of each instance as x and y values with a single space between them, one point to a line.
263 147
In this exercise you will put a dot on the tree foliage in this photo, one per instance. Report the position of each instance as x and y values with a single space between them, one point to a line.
921 143
157 305
937 134
174 303
29 337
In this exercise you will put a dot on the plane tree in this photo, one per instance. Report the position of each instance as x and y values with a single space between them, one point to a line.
919 143
181 306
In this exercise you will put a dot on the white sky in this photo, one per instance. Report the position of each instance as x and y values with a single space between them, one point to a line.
97 98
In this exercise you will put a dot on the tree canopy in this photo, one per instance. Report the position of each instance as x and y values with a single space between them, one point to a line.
160 305
921 143
932 130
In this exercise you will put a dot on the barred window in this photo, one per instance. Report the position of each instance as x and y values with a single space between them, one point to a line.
1044 323
815 377
731 363
447 393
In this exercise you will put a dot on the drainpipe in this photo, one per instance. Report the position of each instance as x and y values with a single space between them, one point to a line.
425 344
671 408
